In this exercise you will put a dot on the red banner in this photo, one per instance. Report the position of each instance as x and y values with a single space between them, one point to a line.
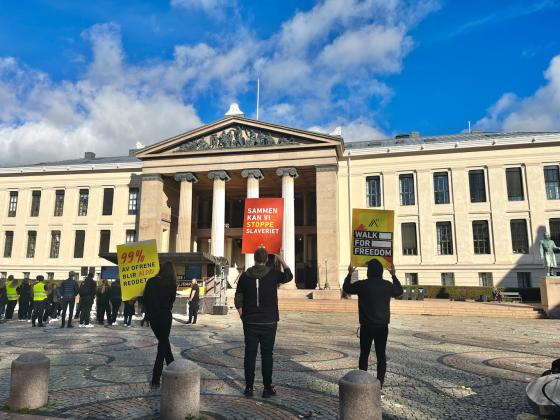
262 224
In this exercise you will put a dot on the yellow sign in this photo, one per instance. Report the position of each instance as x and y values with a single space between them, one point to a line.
187 291
138 261
372 237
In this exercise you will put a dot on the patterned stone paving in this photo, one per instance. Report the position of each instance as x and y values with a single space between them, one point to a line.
439 367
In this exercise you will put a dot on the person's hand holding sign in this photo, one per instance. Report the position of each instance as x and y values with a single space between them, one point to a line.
351 268
391 270
281 261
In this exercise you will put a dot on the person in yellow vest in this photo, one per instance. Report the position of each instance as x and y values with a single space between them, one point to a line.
39 299
11 291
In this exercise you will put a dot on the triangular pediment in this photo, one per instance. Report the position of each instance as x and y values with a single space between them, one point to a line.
235 134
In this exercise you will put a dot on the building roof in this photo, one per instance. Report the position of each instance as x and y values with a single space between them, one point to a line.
84 161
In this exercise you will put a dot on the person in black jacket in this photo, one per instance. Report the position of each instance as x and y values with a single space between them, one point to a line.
159 296
256 300
374 297
87 294
194 298
68 292
116 300
25 296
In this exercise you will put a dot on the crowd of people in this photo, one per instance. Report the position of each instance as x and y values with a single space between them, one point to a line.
256 299
39 302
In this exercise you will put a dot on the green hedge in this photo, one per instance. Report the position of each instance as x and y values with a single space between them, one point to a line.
472 292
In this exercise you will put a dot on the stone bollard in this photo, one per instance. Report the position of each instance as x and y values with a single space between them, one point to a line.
180 390
29 381
359 395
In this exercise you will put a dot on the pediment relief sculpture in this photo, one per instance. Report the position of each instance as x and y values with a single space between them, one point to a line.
236 137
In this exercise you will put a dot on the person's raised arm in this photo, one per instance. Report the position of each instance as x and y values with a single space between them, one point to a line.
348 286
288 276
397 287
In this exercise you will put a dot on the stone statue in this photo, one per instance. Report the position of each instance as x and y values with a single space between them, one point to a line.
547 247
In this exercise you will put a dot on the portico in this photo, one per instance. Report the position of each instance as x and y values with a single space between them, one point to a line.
194 186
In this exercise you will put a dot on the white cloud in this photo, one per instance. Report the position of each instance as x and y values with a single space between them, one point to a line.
357 130
211 7
538 112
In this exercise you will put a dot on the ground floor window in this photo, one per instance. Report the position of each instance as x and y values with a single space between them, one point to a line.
411 279
485 280
523 279
447 279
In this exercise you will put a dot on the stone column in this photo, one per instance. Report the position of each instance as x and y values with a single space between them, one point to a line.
151 199
327 225
184 221
253 178
218 211
288 226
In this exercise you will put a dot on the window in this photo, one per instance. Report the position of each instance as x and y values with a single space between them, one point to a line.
447 279
441 188
519 238
50 276
3 275
552 182
104 241
107 201
407 190
130 236
554 225
408 235
133 201
523 280
55 244
84 271
477 186
59 203
79 242
485 280
8 243
35 203
481 237
12 207
31 243
411 279
83 202
444 238
373 193
514 182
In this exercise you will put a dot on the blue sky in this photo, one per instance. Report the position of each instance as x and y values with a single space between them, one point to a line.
103 75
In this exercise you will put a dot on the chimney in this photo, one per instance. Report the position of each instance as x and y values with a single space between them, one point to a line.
131 152
89 155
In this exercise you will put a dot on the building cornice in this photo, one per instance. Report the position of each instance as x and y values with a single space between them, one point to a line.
91 167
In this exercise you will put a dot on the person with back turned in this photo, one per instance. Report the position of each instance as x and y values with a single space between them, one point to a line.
68 292
159 296
12 294
39 300
374 297
194 298
256 300
87 294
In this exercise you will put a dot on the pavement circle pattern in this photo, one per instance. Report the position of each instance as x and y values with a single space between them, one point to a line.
441 367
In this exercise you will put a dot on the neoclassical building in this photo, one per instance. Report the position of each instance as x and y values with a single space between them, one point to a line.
470 209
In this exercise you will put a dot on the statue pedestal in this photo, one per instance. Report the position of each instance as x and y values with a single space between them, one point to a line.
550 296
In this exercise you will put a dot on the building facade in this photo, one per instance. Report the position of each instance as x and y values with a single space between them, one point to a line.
470 209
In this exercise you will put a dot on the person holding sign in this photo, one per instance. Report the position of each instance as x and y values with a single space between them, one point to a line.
374 297
256 300
159 296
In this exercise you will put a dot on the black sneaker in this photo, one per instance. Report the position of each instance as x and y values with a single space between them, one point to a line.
249 391
62 326
70 326
268 392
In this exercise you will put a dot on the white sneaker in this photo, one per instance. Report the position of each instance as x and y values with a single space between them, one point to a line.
81 326
89 326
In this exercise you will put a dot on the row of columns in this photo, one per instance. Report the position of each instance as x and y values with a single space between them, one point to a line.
253 176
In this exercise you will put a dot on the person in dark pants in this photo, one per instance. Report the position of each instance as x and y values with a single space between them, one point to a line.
24 292
129 310
12 295
374 298
256 300
39 298
87 293
102 299
115 298
68 292
159 296
194 298
3 298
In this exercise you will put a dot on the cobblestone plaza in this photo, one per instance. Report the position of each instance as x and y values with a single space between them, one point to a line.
439 367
